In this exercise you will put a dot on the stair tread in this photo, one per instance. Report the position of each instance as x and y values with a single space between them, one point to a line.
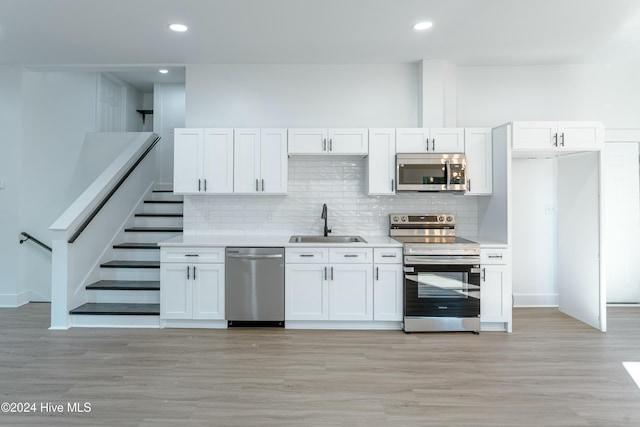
160 215
131 264
135 245
117 309
162 191
152 229
125 285
165 201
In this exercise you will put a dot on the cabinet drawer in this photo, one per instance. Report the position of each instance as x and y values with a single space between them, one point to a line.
350 255
306 255
192 255
387 255
494 256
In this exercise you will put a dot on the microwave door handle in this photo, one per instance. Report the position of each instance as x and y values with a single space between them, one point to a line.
447 175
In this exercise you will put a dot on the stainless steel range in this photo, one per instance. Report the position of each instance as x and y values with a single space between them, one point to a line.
441 274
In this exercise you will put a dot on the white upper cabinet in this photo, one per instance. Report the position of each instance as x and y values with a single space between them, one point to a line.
430 140
203 161
478 149
260 161
381 163
558 136
329 141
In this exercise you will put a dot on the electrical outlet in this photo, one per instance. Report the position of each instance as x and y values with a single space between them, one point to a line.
549 210
270 217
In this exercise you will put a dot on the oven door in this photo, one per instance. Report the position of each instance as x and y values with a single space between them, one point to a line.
442 290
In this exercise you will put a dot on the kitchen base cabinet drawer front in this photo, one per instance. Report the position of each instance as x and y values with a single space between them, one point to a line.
192 255
350 256
306 292
306 255
494 256
387 255
387 292
351 293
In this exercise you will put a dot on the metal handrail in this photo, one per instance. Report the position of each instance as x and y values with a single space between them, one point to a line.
36 241
104 201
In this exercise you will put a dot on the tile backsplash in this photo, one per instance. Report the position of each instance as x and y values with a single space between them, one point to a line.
338 182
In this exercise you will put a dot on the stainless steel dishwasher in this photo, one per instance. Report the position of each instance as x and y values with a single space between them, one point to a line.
254 286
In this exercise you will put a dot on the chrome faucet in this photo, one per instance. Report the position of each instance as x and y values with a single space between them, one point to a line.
327 230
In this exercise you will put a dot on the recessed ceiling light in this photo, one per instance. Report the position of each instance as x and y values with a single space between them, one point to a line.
163 71
423 25
180 28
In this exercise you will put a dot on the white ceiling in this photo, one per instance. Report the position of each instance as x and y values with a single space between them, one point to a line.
465 32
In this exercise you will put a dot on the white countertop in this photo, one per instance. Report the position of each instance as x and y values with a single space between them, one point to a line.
485 242
271 241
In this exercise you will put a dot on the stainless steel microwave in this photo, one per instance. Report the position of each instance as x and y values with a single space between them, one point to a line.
431 172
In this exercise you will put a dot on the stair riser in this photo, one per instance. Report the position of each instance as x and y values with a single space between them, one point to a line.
136 254
162 208
146 221
111 321
165 196
130 273
152 236
127 297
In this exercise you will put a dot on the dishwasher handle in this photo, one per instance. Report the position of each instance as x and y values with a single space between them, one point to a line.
246 256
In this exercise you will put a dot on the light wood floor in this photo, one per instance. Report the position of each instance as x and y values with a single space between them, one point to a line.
551 371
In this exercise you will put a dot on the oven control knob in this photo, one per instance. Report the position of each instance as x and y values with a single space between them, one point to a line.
449 219
441 218
396 219
404 219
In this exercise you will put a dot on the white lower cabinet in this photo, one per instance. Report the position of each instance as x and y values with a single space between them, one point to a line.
337 284
306 292
387 284
495 288
191 289
350 292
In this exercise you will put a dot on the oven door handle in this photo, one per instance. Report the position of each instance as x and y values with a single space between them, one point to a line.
441 260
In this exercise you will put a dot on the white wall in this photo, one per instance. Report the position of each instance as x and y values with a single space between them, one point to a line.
133 102
10 122
58 110
168 114
302 95
490 96
337 182
534 243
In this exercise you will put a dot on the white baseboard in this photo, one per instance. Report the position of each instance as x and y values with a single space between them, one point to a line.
535 300
346 325
14 300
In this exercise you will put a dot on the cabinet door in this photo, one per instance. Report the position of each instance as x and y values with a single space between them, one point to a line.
350 292
534 135
176 291
273 161
446 140
348 141
246 161
381 163
307 141
495 294
217 156
306 292
412 140
208 291
580 136
187 160
387 292
478 149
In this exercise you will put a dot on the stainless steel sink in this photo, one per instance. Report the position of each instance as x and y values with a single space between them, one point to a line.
326 239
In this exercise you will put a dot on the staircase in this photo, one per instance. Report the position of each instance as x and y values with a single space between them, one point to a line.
128 294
